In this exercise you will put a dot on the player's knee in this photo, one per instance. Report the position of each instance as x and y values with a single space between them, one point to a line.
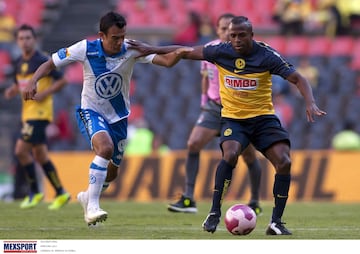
284 165
231 158
194 146
105 151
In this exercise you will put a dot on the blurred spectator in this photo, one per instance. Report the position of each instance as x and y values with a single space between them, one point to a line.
347 139
283 109
330 17
60 132
142 140
7 30
291 14
207 31
310 72
159 146
280 85
189 34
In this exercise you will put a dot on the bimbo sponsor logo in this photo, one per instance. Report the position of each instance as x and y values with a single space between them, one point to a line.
20 246
240 83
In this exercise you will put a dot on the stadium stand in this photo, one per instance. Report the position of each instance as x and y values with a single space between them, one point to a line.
170 97
5 66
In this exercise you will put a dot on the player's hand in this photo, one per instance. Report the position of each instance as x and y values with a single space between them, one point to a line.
40 96
313 110
28 93
11 92
143 48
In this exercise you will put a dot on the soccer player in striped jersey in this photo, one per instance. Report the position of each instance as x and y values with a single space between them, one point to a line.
208 126
248 116
35 116
105 104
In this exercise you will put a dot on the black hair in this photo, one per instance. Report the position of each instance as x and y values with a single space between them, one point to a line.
25 27
242 20
225 16
111 18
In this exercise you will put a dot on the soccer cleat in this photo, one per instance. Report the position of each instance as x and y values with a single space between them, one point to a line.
32 200
95 215
184 205
257 209
60 201
83 199
277 229
211 222
91 217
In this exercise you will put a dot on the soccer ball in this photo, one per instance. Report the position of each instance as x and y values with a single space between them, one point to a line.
240 219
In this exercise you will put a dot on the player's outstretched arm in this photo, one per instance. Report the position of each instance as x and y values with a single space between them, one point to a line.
147 49
172 58
305 89
30 90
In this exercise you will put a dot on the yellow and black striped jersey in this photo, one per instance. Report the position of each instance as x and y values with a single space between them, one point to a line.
245 80
24 70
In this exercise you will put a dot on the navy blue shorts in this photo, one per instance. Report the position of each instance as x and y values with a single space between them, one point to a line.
34 131
262 131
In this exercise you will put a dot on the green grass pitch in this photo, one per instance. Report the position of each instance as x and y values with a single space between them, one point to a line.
142 221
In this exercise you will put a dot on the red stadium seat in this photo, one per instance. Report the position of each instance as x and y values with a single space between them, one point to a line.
31 13
5 64
200 6
319 46
74 73
355 56
12 7
342 46
276 42
297 46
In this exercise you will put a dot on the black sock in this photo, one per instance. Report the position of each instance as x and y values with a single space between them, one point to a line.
222 182
31 178
50 172
280 191
255 178
192 169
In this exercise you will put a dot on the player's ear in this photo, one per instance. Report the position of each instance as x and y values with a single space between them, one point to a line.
101 35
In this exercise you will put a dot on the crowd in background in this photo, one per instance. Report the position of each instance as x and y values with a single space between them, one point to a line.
330 18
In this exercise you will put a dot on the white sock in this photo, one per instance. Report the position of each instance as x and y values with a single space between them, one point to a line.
97 176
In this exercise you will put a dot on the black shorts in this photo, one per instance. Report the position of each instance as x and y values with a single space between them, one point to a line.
34 131
210 116
261 131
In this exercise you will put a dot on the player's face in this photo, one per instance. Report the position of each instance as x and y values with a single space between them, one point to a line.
112 41
26 41
241 38
222 29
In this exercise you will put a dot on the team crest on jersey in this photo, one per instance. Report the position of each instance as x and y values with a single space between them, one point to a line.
24 68
63 53
109 85
240 65
227 132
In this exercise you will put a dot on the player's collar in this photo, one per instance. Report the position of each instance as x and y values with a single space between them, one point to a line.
103 54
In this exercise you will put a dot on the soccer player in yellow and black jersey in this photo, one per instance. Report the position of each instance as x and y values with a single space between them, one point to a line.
35 116
248 116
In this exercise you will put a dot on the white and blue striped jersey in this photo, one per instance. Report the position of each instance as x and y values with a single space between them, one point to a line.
106 83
